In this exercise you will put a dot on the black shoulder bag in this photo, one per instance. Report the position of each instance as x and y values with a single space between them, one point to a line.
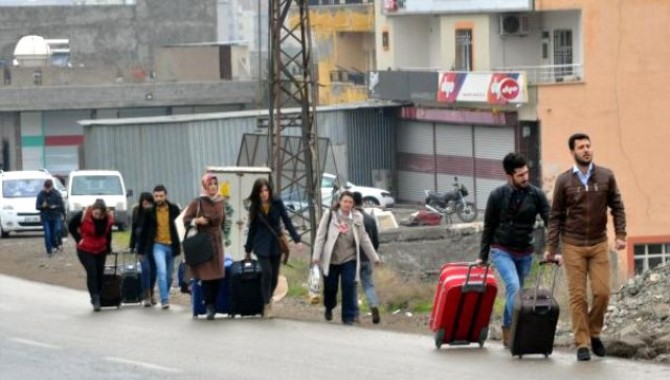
198 248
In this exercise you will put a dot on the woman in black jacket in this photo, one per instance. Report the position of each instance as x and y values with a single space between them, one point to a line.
265 215
140 211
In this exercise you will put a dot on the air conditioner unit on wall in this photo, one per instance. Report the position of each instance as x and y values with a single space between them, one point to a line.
514 24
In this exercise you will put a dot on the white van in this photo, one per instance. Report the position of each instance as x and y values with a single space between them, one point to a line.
18 198
85 186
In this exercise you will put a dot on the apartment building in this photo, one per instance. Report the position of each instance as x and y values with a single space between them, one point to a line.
482 78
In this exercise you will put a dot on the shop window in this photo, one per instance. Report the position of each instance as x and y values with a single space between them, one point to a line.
647 256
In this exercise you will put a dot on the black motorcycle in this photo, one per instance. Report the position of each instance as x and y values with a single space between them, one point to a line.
452 202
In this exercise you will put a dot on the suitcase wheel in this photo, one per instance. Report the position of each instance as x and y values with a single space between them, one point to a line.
546 355
483 334
439 338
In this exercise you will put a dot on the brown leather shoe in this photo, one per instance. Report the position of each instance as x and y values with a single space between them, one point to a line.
505 336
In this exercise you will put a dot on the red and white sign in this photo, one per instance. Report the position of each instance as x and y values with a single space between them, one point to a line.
390 5
482 87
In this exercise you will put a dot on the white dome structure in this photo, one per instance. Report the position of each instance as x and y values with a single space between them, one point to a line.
32 51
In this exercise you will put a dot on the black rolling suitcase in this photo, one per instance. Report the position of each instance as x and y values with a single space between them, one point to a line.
110 294
131 281
246 296
534 319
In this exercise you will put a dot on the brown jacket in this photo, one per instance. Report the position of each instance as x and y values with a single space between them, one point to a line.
579 214
214 212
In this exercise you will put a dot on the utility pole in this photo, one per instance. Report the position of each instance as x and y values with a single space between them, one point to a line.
292 84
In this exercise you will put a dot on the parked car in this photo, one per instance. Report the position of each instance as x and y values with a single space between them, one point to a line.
85 186
18 197
372 197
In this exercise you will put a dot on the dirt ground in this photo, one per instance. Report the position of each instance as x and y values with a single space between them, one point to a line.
23 255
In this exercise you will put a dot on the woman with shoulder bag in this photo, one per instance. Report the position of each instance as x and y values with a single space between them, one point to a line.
265 215
206 213
92 231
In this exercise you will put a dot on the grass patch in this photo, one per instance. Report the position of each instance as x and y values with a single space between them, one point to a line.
396 292
423 307
120 240
296 275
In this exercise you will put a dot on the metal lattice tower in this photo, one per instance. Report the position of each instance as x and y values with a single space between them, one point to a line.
292 84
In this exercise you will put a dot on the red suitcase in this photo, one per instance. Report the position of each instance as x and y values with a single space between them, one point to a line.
463 304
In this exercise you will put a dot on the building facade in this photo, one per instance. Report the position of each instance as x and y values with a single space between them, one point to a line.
128 59
551 68
343 45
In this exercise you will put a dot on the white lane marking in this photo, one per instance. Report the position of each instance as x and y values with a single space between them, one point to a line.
143 364
35 343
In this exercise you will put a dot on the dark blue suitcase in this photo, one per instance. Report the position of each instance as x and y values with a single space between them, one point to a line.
223 298
246 295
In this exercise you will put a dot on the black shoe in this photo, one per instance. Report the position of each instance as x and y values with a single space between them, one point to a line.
375 315
583 354
95 300
210 312
597 347
328 315
348 323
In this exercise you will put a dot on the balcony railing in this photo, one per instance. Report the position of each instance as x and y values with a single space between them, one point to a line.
550 73
345 76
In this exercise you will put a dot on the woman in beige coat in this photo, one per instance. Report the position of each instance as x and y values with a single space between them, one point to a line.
207 214
337 249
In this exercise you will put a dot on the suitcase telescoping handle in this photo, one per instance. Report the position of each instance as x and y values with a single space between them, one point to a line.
476 286
556 264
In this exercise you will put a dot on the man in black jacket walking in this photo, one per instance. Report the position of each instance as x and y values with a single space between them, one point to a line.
158 237
367 281
509 223
50 204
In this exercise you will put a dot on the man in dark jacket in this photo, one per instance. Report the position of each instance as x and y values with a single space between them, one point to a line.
582 195
158 237
50 204
509 224
367 282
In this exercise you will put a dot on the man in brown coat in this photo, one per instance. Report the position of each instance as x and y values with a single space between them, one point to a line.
579 218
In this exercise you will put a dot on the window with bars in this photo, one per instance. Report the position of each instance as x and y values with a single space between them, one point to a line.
562 53
647 256
463 50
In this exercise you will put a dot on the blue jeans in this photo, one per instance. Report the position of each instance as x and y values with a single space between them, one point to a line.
164 269
513 270
368 284
349 300
148 265
52 231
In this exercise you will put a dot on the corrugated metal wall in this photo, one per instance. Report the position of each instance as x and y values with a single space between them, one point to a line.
372 145
176 153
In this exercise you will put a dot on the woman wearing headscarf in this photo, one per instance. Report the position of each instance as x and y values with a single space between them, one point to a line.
92 231
337 249
265 215
206 213
140 212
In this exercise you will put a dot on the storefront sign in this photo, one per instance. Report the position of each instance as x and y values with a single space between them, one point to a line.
460 6
482 87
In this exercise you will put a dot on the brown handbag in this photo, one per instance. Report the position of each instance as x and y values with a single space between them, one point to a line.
281 240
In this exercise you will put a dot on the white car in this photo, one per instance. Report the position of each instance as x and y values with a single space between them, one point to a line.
18 198
372 197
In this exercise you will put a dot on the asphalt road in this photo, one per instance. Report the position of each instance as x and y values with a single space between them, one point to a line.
49 332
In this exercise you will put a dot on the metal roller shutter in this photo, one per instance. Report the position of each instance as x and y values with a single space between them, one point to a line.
415 160
491 146
454 156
